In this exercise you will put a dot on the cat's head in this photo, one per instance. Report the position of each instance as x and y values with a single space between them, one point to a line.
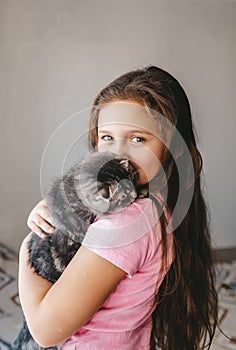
108 182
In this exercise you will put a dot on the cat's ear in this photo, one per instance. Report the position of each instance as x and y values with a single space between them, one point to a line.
125 164
104 191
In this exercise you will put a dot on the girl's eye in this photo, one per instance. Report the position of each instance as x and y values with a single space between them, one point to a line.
106 138
137 139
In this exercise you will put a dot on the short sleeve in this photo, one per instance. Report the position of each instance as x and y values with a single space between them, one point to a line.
125 237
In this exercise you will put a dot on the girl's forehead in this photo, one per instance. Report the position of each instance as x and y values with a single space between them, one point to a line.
127 113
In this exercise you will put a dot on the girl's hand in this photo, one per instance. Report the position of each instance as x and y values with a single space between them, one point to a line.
39 220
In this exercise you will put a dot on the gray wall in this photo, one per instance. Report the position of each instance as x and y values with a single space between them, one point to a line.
55 55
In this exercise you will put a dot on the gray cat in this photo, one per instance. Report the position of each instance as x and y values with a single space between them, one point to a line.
102 182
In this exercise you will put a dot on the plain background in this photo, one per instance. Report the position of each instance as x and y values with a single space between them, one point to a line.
56 55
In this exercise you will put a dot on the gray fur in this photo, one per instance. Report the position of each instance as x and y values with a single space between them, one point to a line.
102 182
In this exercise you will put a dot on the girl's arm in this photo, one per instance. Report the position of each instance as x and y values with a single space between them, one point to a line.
56 311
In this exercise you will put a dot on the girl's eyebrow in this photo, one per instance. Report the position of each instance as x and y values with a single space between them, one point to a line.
104 131
140 131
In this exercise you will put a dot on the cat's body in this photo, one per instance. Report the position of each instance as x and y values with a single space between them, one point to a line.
99 184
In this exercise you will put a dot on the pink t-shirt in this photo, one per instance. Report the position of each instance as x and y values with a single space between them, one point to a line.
131 239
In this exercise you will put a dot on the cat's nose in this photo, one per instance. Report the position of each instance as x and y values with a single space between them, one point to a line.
133 194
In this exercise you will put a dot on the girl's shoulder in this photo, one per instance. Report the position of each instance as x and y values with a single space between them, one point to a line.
145 210
124 226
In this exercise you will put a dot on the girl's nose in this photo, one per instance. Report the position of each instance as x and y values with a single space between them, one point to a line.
120 148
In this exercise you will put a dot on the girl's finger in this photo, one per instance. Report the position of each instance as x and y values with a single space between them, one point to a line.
44 212
42 224
37 230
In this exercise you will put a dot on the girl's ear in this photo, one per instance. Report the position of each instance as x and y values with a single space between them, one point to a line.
125 164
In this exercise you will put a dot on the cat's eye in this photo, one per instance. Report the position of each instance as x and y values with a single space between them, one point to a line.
137 139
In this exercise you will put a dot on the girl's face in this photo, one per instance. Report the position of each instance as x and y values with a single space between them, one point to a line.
126 129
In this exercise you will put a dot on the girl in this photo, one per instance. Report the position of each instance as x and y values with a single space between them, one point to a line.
153 288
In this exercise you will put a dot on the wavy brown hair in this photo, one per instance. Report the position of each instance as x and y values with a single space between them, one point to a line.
185 315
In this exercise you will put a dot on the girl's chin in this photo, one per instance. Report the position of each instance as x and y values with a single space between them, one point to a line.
143 180
143 177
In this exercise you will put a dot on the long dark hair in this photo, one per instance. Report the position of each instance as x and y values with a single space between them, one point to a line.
185 316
